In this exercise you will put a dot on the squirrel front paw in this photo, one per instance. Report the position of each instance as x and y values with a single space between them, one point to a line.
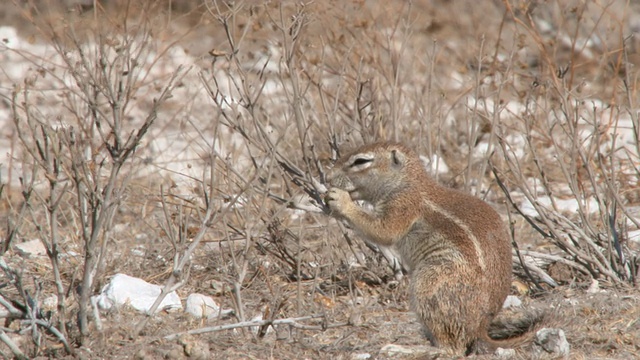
339 201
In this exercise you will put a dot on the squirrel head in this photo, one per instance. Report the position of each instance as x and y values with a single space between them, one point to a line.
374 172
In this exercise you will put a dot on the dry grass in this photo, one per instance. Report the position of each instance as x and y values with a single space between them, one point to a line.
541 100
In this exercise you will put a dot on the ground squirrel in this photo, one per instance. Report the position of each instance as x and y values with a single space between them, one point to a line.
454 246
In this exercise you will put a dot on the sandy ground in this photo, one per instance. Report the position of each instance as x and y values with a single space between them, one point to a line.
416 67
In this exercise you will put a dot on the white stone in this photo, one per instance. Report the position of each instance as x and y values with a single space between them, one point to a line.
569 206
435 165
505 353
137 293
50 303
550 343
138 251
9 36
361 356
201 306
594 287
394 350
511 301
31 248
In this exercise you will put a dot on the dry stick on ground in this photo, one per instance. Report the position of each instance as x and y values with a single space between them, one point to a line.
293 322
530 268
55 332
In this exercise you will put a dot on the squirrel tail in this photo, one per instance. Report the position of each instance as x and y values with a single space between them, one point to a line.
512 329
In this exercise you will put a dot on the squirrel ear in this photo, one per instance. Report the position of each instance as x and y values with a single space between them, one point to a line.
398 158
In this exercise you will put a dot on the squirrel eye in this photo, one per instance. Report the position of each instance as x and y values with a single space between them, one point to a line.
361 161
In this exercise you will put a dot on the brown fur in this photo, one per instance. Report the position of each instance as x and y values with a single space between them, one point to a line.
454 245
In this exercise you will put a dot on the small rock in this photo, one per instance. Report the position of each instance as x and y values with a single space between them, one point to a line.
141 237
174 354
31 248
50 303
137 293
283 332
435 165
393 350
138 251
358 300
505 353
118 228
201 306
594 288
511 301
197 351
363 356
551 344
193 348
9 36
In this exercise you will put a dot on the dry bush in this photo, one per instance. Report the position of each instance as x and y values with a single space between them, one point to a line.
530 104
570 150
78 136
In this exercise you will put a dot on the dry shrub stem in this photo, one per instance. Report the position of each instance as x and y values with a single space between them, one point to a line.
292 322
17 353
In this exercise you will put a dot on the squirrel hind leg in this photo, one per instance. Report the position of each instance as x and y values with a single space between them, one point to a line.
449 323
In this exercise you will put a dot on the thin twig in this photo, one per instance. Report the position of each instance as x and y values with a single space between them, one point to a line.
12 346
293 322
